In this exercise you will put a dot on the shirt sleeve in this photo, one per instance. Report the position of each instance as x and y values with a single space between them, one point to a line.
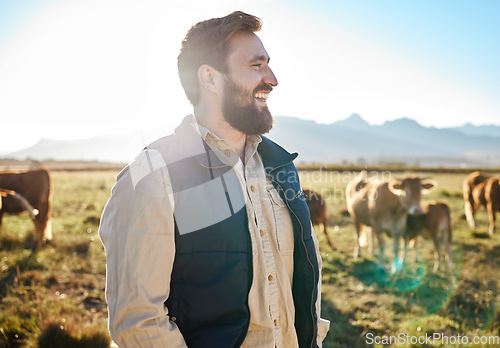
323 324
137 231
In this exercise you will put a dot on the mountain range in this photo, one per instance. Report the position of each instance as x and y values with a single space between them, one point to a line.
348 141
354 140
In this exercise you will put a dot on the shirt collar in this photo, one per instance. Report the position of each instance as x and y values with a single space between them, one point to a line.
252 141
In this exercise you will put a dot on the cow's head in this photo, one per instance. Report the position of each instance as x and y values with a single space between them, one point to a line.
409 190
359 182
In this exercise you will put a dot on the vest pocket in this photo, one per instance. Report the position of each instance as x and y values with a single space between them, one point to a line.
283 222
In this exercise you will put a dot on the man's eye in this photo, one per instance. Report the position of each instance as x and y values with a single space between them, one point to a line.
258 65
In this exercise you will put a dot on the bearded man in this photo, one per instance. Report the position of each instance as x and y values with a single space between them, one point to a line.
207 234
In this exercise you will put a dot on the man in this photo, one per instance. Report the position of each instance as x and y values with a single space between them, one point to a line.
208 239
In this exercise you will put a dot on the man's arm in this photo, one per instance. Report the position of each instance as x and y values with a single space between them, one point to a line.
137 230
323 324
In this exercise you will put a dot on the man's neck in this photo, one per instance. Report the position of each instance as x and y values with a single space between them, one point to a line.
216 123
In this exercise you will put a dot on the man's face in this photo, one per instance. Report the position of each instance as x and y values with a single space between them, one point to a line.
247 85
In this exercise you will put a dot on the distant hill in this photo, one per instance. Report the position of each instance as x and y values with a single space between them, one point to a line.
469 129
352 140
117 148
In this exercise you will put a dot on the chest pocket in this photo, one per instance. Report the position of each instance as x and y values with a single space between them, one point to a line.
283 222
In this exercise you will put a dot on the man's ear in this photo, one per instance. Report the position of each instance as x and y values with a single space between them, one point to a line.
207 78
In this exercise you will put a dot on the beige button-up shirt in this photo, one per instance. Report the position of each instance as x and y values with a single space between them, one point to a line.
136 291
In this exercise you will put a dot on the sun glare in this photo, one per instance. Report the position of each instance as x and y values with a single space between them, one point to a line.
81 69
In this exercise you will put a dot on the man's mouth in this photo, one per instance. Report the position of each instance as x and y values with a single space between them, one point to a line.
262 96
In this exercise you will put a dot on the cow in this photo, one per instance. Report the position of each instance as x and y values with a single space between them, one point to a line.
433 223
492 195
473 190
317 209
34 185
384 206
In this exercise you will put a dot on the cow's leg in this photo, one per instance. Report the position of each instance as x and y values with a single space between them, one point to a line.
43 224
38 232
357 235
48 230
371 239
323 227
413 244
405 240
437 247
469 213
475 209
447 245
397 264
417 258
380 247
492 217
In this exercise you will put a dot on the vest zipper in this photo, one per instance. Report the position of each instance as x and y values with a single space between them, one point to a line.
313 305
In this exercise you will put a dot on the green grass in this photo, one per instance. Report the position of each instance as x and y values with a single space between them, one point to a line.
54 296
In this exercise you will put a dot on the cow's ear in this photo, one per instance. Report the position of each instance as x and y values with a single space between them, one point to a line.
361 185
396 187
428 186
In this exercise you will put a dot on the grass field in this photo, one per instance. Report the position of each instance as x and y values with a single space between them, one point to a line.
54 296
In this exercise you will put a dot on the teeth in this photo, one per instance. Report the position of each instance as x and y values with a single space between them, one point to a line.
261 96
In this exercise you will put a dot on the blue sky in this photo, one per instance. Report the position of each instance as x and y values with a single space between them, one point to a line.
458 40
80 68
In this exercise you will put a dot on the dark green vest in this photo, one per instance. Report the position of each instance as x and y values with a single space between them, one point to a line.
212 272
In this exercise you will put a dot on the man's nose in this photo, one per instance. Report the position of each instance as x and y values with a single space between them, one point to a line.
270 78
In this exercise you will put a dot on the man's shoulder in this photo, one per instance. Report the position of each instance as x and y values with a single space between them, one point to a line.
183 134
149 155
161 144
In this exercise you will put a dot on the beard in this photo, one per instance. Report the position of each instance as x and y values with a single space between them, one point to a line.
247 118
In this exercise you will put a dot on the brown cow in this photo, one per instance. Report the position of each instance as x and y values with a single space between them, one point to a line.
35 187
317 209
492 195
473 190
434 223
385 206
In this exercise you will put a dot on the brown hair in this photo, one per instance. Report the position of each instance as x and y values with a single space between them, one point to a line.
207 42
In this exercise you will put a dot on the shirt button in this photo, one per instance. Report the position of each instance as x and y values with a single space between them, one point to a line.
275 322
261 233
252 188
227 153
270 278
